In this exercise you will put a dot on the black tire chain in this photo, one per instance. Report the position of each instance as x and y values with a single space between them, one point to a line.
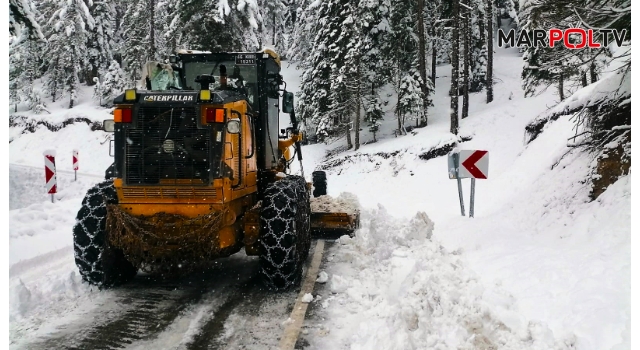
98 262
319 183
285 239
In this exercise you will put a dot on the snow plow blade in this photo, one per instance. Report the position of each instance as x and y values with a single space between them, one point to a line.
332 218
334 225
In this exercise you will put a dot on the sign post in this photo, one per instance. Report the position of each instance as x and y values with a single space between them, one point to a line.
456 166
50 172
75 165
468 164
473 195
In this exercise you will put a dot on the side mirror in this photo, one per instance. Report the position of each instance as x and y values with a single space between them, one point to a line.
233 126
287 102
109 125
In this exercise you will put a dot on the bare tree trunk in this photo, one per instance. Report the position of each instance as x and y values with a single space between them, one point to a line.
422 65
71 99
561 87
152 30
434 54
465 74
481 28
584 79
347 123
357 123
400 121
490 18
592 72
454 66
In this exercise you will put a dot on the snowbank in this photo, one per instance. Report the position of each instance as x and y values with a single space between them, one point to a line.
344 203
392 287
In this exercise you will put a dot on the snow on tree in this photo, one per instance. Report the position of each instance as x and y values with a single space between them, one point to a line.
344 48
24 56
113 84
403 48
272 28
222 25
22 20
410 99
373 115
478 47
139 38
315 93
508 10
305 22
72 24
101 42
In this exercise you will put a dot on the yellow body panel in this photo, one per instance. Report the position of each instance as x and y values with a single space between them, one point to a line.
189 199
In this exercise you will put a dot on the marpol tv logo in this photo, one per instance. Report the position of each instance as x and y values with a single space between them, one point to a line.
571 38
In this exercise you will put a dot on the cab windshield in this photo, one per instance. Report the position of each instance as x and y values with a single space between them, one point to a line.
242 78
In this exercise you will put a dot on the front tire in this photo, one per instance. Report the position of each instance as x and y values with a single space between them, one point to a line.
285 239
99 263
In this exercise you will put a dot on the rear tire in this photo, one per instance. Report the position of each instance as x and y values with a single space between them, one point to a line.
285 239
319 183
99 263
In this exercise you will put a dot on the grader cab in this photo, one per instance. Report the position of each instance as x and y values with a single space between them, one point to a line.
201 171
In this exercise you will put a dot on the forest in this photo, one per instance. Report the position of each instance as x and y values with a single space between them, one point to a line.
351 53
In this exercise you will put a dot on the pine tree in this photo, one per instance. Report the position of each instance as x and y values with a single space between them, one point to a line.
139 39
24 55
315 93
112 85
305 26
344 53
478 47
273 14
547 66
410 99
373 115
507 9
218 26
101 41
67 49
372 61
403 46
22 19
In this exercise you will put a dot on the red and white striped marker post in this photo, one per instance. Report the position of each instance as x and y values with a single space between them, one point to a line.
50 172
75 165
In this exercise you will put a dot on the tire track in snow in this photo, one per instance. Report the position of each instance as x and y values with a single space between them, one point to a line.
148 306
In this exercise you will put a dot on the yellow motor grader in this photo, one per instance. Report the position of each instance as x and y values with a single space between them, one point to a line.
200 171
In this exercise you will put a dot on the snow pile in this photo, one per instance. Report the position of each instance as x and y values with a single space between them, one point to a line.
31 299
323 277
405 291
307 298
345 203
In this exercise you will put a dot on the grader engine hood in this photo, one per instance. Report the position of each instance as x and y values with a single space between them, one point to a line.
164 141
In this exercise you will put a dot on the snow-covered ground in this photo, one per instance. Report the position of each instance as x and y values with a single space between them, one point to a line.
539 267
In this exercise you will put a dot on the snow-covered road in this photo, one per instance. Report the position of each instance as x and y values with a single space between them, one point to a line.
541 266
51 308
